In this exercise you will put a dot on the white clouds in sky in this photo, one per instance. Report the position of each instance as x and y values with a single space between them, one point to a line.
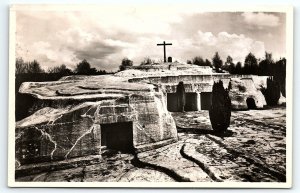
261 19
104 37
205 44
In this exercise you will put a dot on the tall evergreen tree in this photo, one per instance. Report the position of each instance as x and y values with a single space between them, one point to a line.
217 62
228 64
250 64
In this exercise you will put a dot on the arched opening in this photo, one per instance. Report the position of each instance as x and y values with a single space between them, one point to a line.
251 103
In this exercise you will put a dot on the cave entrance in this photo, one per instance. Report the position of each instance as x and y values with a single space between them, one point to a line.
191 101
118 136
206 98
172 103
251 103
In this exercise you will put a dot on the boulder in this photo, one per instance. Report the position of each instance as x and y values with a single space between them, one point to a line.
243 91
78 116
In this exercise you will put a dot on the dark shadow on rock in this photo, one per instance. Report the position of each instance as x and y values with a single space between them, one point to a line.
227 133
202 165
141 164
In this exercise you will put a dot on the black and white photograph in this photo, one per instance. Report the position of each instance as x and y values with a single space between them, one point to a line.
166 95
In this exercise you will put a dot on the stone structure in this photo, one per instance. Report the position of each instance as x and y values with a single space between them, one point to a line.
77 116
128 111
244 95
198 81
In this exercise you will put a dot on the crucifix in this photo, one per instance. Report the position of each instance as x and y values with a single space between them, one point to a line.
164 44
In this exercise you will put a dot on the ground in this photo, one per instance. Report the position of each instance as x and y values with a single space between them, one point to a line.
253 150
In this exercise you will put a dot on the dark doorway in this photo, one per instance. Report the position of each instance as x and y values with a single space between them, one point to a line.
172 102
117 136
191 102
205 100
251 103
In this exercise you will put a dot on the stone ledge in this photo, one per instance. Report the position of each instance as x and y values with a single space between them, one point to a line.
150 146
31 169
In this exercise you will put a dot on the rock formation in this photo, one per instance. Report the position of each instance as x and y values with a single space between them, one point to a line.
80 115
72 114
243 89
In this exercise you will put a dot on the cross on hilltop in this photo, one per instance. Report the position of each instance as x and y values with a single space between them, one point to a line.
164 44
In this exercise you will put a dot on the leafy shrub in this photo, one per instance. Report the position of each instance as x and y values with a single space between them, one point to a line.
125 63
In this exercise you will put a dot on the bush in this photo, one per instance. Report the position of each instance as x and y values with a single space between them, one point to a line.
272 92
147 61
198 60
220 110
84 68
125 63
217 62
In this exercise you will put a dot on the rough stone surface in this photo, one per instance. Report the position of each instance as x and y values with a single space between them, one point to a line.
68 115
241 90
253 150
169 157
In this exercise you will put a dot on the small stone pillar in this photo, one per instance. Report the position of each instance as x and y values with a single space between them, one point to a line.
198 102
169 59
97 133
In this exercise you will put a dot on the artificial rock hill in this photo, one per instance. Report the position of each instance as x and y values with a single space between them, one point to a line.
128 111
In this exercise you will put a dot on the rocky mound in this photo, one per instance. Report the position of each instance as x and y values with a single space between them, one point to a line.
79 115
244 95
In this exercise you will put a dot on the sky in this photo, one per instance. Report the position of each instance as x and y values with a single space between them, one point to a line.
105 35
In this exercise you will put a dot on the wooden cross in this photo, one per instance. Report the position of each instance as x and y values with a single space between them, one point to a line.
164 44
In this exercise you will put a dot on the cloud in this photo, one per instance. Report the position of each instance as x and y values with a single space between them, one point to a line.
206 38
100 37
105 37
238 46
95 50
205 44
261 19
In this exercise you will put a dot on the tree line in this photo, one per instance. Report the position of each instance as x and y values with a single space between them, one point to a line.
252 66
34 67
